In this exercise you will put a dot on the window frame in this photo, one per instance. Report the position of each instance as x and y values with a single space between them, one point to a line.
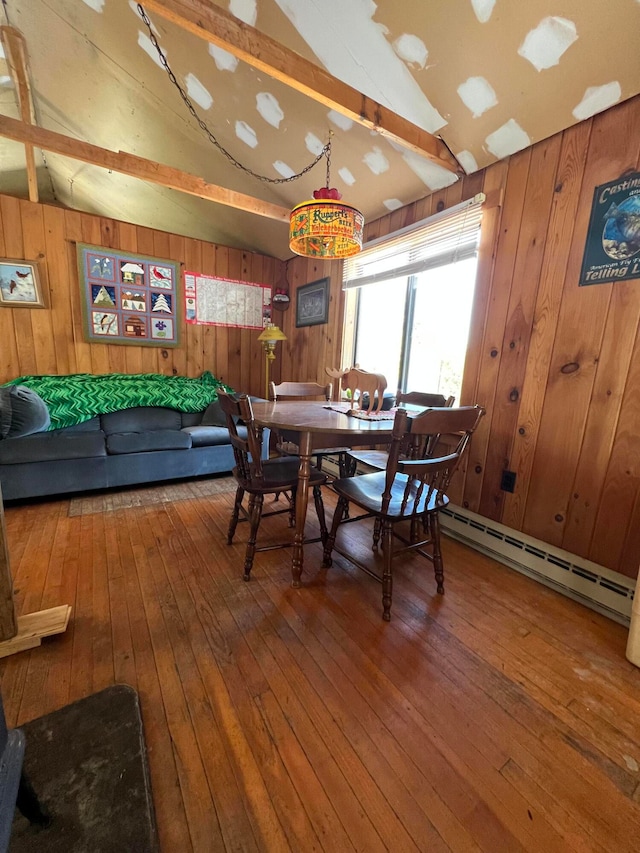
352 291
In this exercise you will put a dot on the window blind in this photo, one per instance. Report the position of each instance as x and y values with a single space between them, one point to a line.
444 238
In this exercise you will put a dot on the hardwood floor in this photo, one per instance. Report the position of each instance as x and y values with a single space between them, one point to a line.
500 717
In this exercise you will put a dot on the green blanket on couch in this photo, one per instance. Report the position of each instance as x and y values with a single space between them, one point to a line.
80 396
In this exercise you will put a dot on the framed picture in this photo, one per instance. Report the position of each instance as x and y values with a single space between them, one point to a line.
128 298
312 303
20 284
612 250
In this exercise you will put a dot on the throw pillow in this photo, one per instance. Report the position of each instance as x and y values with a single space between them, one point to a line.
22 412
214 416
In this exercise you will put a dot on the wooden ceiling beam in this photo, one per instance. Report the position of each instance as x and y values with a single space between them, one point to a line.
15 50
215 25
137 167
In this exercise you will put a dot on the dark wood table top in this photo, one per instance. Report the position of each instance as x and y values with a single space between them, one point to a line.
315 417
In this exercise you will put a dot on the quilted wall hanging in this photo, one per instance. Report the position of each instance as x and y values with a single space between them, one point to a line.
128 298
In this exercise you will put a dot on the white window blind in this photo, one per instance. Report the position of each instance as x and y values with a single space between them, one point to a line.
444 238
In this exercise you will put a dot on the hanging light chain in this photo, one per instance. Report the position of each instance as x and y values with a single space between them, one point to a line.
326 151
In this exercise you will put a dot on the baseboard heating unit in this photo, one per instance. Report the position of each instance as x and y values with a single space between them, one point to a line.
601 589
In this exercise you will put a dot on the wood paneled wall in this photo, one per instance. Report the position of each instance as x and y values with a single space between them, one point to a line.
308 350
557 366
51 341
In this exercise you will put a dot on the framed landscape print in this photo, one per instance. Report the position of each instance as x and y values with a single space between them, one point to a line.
128 298
20 284
312 303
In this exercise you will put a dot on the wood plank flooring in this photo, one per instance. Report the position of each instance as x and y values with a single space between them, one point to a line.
500 717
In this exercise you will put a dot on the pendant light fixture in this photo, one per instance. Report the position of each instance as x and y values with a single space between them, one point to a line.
325 227
322 228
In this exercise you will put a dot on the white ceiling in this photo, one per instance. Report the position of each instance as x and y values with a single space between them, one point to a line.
488 76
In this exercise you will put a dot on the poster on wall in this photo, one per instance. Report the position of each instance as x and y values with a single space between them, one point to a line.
128 298
213 301
612 251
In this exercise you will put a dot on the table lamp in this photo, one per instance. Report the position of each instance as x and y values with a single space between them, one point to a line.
269 336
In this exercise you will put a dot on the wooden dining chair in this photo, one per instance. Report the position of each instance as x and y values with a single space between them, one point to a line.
424 400
256 477
378 458
408 494
308 391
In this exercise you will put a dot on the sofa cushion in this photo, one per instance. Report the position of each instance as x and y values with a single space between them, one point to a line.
85 426
51 446
141 419
22 411
208 436
142 442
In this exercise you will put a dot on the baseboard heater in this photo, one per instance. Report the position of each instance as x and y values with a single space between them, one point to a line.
601 589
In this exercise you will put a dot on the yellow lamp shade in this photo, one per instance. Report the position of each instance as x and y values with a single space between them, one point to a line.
271 332
325 229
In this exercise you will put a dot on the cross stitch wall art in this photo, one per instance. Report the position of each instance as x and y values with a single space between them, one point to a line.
128 298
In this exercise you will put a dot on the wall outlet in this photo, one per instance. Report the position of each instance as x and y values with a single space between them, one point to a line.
508 482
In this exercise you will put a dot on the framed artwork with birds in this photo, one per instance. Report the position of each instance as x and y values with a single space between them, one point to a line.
128 298
20 284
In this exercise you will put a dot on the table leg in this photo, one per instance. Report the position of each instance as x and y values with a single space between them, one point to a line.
302 499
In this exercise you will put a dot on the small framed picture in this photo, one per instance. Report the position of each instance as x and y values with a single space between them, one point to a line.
20 284
312 303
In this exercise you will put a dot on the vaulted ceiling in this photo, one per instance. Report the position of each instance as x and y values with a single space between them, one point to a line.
486 77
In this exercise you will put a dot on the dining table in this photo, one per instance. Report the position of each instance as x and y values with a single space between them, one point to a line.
311 425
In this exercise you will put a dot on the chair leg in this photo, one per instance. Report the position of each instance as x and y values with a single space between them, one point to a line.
317 498
350 466
338 515
29 805
347 468
387 576
377 530
235 515
438 565
292 508
345 465
255 513
414 532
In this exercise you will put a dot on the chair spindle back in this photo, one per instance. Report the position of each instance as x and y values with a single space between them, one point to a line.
429 472
246 451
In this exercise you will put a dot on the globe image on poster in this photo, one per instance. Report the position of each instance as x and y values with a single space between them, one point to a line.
621 235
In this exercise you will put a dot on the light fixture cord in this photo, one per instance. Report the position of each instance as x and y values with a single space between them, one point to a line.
326 151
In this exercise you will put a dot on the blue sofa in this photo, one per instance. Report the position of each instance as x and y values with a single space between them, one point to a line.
138 445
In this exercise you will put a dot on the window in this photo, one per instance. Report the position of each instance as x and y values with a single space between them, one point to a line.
413 299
